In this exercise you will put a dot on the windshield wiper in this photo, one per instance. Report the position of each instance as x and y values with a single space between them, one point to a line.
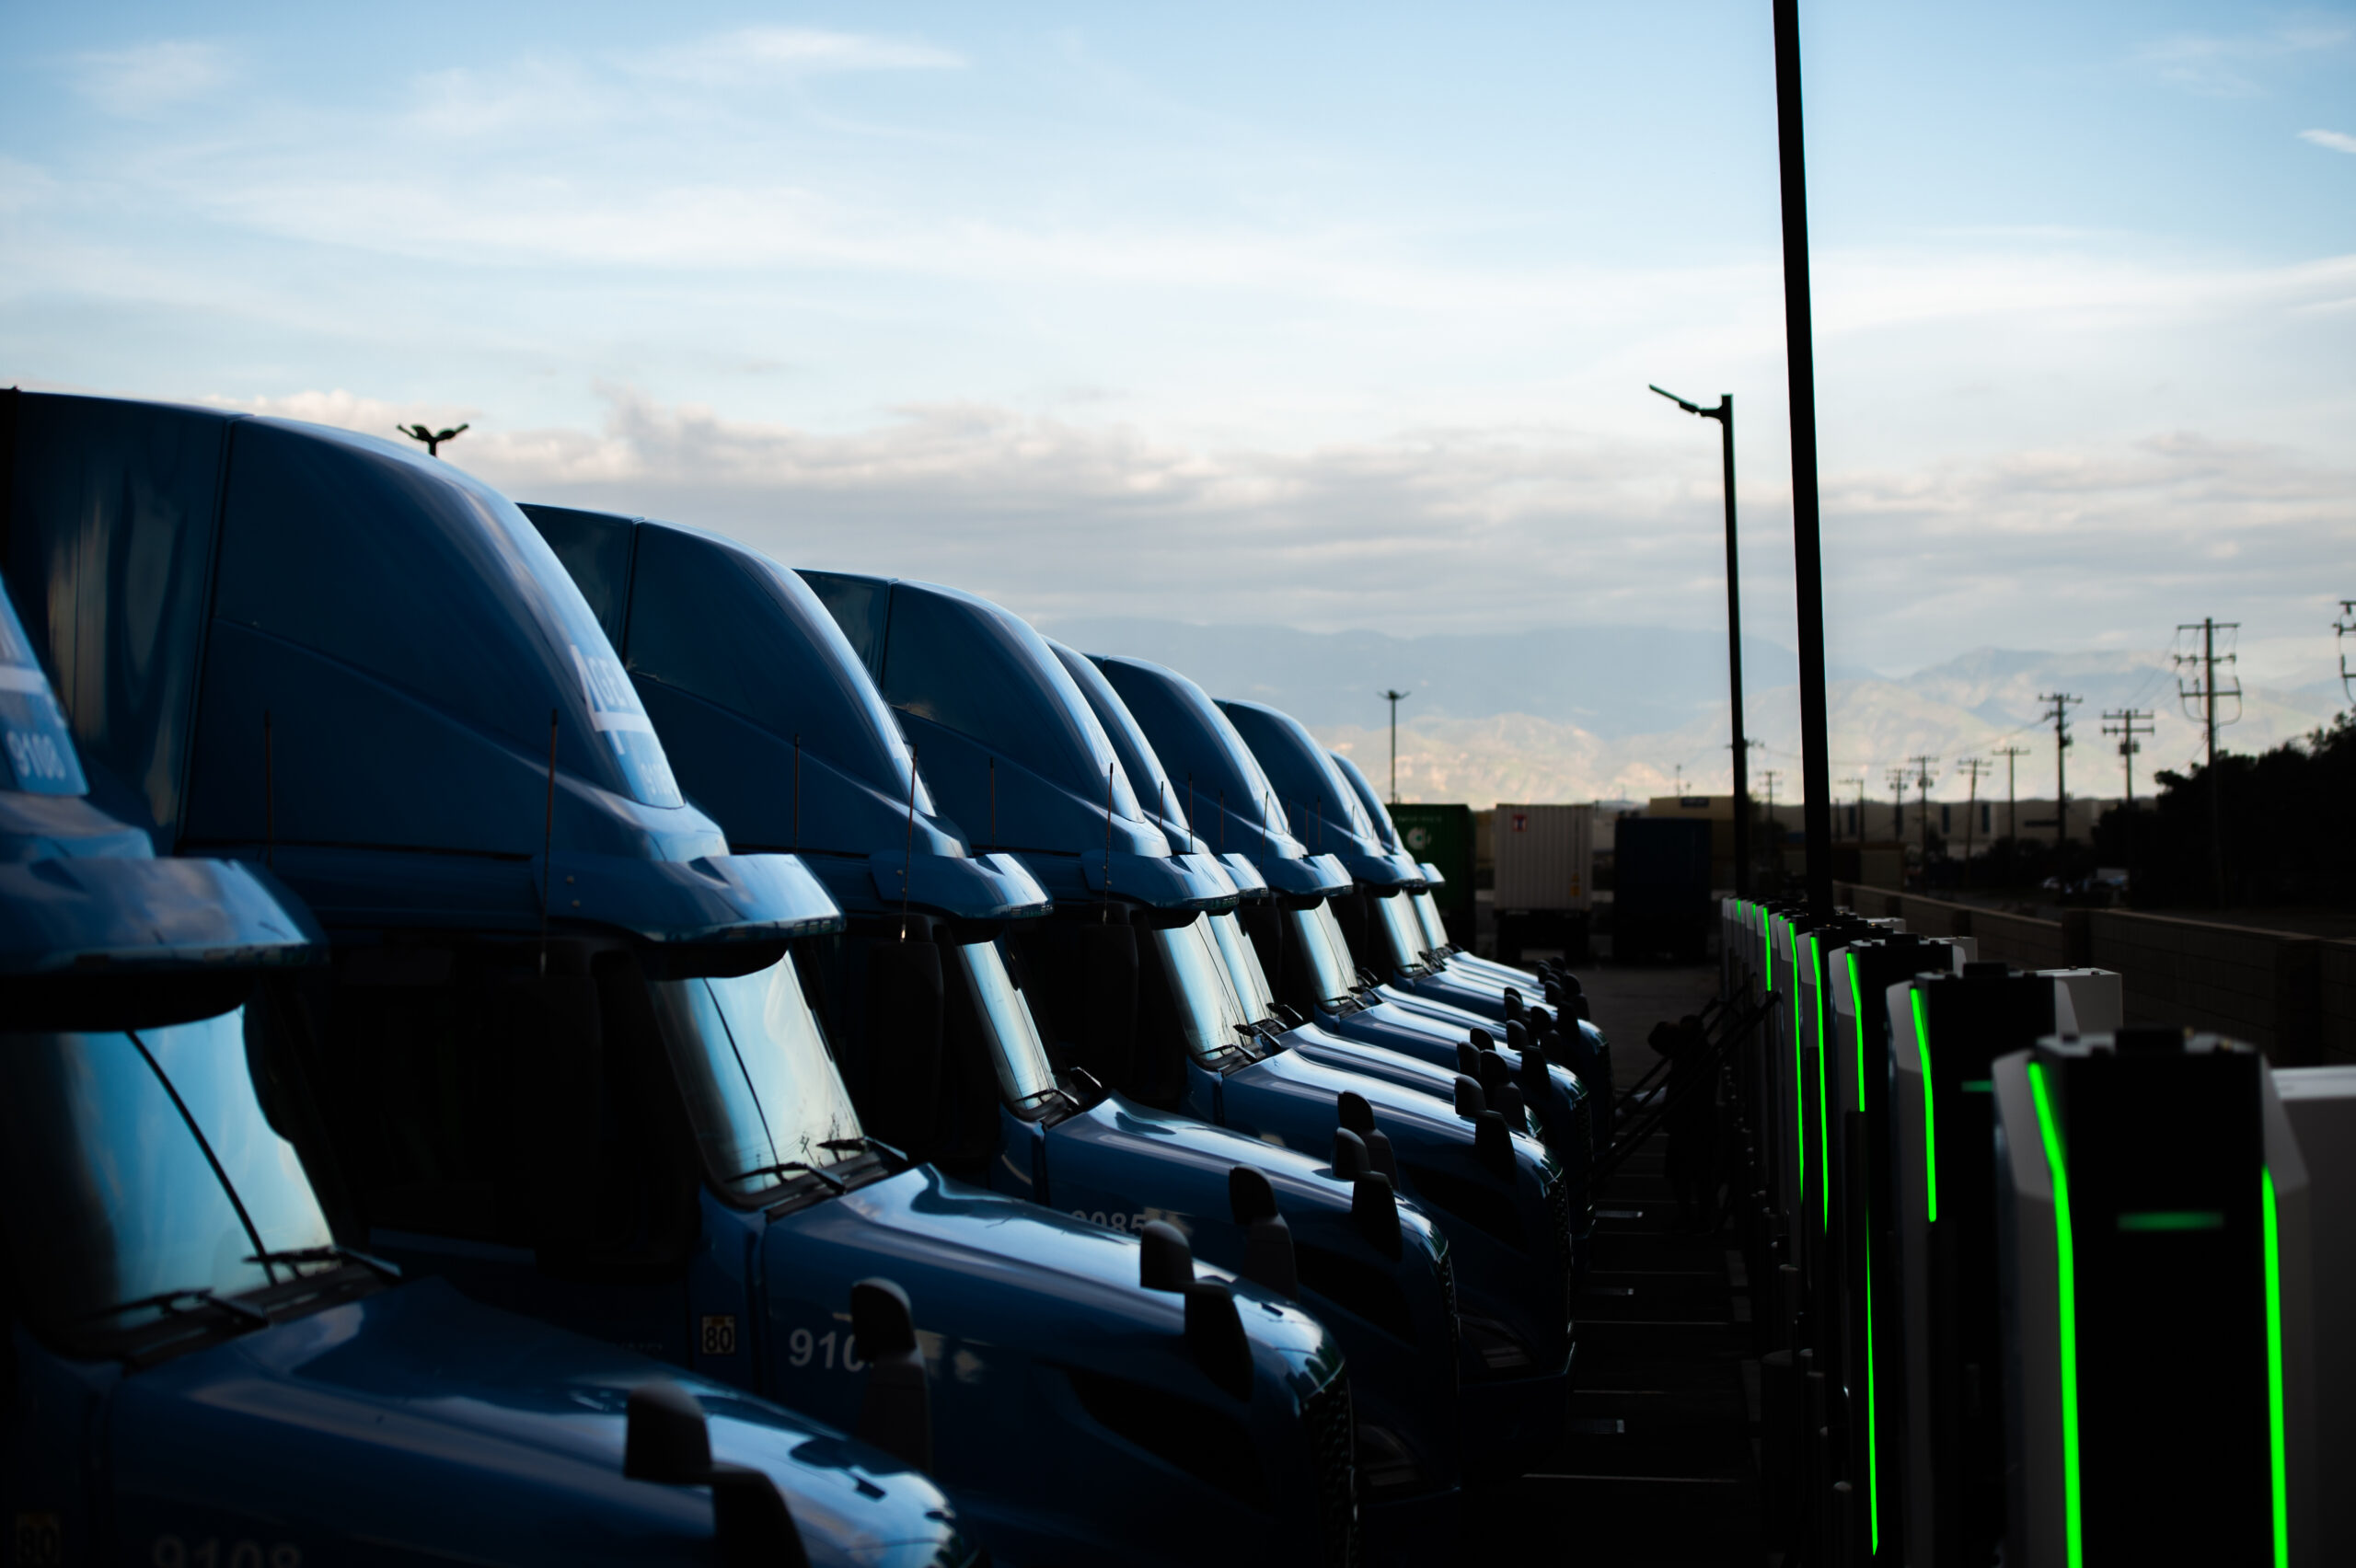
873 1145
791 1168
203 1296
331 1253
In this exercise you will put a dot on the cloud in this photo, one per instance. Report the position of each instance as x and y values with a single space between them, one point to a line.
151 77
2214 66
1451 529
756 54
2337 140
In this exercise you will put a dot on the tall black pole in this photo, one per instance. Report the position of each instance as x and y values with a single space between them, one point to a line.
1816 745
1724 414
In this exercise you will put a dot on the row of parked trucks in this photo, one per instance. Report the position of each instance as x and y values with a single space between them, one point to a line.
535 1034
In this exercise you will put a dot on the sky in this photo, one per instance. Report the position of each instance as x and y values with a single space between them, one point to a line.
1323 316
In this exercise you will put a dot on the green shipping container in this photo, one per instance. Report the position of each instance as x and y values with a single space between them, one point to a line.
1442 834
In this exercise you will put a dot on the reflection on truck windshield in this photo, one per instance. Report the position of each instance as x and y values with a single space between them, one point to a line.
1399 935
1208 1010
111 1201
1428 915
1243 964
1024 1074
761 1087
1326 953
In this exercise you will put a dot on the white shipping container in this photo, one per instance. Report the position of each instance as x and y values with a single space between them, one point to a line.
1545 856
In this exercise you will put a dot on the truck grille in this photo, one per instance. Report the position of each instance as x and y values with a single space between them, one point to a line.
1326 1415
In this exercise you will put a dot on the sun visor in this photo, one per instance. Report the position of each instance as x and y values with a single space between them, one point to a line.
1246 876
1305 876
986 887
105 914
1172 882
710 899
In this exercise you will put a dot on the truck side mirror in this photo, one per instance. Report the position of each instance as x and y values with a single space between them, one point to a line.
895 1413
1374 1210
667 1440
1269 1258
903 1031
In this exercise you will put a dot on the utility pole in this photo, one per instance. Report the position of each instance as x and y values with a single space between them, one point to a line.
1394 699
1857 812
2127 723
1922 807
2204 663
1677 779
2341 630
2060 713
1724 414
1973 767
1896 778
1808 549
2012 755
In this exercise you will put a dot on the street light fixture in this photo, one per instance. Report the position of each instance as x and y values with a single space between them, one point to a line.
1394 699
1724 414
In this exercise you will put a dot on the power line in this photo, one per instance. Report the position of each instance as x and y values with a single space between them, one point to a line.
2341 630
2012 755
2059 714
1973 767
2204 668
1922 803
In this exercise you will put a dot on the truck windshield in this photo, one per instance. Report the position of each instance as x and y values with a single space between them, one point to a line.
1209 1010
1327 955
142 1175
1024 1074
1428 914
1399 934
761 1087
1243 964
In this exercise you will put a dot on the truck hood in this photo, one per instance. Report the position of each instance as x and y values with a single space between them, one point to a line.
344 1420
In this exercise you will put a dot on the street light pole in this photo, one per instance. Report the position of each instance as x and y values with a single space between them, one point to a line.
1724 414
1394 699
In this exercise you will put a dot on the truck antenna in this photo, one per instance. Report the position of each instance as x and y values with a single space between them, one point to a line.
908 854
547 848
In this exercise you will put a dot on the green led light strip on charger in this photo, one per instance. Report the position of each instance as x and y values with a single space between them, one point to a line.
2066 1261
1930 1112
2276 1458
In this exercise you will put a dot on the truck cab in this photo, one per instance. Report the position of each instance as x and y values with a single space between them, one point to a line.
1129 982
968 1083
563 1054
196 1370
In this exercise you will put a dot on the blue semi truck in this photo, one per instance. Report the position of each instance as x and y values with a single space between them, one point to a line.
1307 955
1130 978
563 1057
754 687
196 1371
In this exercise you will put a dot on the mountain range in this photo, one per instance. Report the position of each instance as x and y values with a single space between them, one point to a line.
1606 712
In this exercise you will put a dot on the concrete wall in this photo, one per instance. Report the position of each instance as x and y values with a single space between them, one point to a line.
2292 995
2335 998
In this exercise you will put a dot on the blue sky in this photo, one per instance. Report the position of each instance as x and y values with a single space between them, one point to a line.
1328 316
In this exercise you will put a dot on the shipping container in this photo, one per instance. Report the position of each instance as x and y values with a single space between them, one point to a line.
1545 856
1442 834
